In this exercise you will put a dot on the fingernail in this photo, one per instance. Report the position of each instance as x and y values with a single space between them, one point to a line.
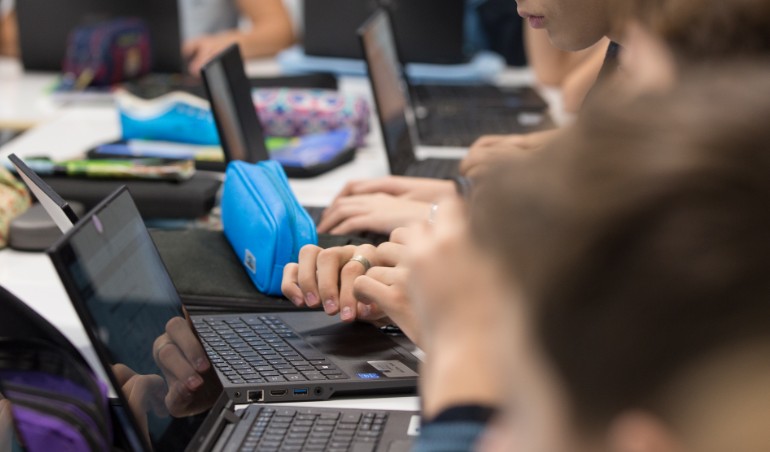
330 305
312 300
347 313
201 364
194 382
297 301
366 310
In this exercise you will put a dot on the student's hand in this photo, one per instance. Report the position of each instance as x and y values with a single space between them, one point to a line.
490 149
192 383
386 286
144 393
6 424
416 188
379 212
324 277
199 51
463 315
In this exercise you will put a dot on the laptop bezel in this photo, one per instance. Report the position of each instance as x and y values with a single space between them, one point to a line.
409 155
57 208
216 75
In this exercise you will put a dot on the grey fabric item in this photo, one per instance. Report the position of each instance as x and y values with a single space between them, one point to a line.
208 275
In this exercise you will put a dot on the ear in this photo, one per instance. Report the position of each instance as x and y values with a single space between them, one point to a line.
637 431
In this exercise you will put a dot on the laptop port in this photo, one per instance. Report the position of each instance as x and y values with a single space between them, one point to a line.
318 391
278 392
255 396
300 392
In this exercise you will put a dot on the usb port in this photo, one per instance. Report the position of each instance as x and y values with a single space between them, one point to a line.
300 392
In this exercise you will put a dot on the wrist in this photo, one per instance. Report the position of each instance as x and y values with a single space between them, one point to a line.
460 374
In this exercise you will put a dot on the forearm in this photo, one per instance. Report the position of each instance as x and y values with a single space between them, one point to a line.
266 38
271 29
460 372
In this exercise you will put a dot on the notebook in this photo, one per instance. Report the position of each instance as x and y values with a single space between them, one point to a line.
116 280
454 121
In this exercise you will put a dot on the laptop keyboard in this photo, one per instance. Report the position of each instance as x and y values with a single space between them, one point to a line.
262 349
434 168
294 429
463 130
435 94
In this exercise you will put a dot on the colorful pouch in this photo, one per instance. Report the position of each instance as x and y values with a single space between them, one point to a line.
14 200
286 112
107 53
264 222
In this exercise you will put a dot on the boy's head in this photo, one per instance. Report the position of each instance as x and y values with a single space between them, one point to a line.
697 30
641 240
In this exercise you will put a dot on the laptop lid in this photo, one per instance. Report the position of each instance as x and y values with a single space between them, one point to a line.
44 27
124 297
330 28
229 92
56 207
391 92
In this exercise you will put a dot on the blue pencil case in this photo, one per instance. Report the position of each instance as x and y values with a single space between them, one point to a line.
264 222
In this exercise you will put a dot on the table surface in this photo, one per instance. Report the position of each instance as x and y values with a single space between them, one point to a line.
63 131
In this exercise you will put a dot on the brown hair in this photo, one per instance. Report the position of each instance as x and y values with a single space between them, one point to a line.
702 29
641 238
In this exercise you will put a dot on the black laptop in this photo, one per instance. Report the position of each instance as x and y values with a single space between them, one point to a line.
116 279
240 130
454 116
44 26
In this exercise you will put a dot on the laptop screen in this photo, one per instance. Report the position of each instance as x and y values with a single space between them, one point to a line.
229 92
390 92
124 295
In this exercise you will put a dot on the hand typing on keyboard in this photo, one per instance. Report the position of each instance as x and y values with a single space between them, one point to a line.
383 204
464 309
489 149
192 383
378 295
324 277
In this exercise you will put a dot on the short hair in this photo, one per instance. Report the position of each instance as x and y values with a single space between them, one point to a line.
641 238
702 29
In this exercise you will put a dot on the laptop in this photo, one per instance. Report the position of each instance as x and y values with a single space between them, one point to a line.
45 25
330 28
57 208
114 275
455 120
240 130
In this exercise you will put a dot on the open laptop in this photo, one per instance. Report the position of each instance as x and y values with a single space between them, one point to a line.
45 25
330 28
114 274
240 130
57 208
454 120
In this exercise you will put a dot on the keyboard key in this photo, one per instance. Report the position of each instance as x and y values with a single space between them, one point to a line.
362 447
351 418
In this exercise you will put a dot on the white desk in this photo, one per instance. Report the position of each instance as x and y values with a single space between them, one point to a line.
63 132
